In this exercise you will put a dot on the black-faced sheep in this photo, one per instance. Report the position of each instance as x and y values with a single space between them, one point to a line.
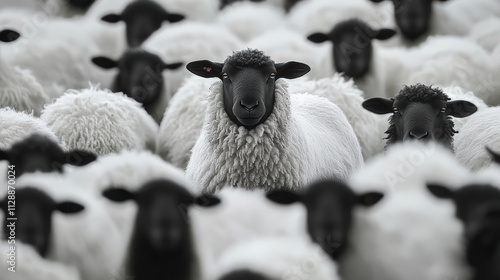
421 113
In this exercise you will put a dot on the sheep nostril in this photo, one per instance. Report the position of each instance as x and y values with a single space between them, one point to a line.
419 136
249 108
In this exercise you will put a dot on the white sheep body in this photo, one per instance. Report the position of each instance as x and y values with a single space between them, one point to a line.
100 121
486 33
306 138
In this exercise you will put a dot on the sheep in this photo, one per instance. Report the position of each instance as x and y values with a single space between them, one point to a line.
67 8
19 89
69 238
160 246
140 77
458 93
38 152
420 113
276 258
480 131
100 121
265 141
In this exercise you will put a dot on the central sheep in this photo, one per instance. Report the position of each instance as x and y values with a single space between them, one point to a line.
257 135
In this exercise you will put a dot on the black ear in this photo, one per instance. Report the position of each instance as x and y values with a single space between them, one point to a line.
206 200
118 195
112 18
104 62
80 157
69 207
494 155
379 105
172 66
460 108
377 1
440 191
4 155
283 197
385 33
318 37
291 70
370 198
174 18
206 68
8 35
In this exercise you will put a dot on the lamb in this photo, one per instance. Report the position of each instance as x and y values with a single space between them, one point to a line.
140 77
71 238
266 129
479 132
19 89
421 113
160 246
100 121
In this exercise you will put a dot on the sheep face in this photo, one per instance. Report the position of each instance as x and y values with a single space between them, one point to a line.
420 113
139 74
224 3
39 153
352 45
142 18
34 210
244 274
329 207
8 36
248 79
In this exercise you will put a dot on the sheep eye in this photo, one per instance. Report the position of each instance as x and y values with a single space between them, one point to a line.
273 76
443 109
225 76
395 110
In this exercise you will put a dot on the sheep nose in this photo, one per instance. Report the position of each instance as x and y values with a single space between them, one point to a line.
249 107
420 135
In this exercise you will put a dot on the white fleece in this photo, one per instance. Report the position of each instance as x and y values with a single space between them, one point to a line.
369 127
481 130
410 234
306 138
279 258
100 121
486 33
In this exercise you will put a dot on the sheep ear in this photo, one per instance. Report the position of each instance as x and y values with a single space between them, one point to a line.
4 155
206 68
112 18
379 105
104 62
174 17
370 198
80 157
118 194
172 66
8 35
494 155
460 108
69 207
377 1
318 37
384 34
291 70
283 197
206 200
440 191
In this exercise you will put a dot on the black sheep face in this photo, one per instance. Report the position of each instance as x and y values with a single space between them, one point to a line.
81 4
244 274
224 3
8 36
248 79
34 209
412 16
420 113
40 153
142 18
352 45
139 74
329 207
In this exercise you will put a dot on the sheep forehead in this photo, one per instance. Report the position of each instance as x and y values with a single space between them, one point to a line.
249 57
420 93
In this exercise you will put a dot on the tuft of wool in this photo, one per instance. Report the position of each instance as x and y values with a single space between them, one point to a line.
248 57
486 33
306 138
100 121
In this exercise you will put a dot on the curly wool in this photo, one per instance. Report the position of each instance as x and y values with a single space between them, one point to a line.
100 121
248 57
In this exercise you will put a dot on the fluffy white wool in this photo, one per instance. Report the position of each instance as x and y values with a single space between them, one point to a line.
88 240
183 120
100 121
31 266
15 126
280 258
458 93
481 130
408 219
306 138
369 127
240 17
486 33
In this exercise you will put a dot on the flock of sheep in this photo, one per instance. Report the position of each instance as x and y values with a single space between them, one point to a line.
250 140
